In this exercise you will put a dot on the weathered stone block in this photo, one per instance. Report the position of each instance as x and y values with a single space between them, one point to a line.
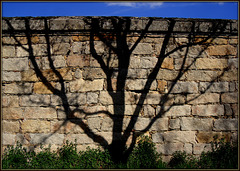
216 87
78 60
153 98
222 50
41 88
208 63
10 101
167 63
32 126
141 123
81 138
58 62
194 75
225 125
208 137
143 48
203 98
65 74
12 113
8 139
139 84
161 86
83 86
174 124
92 98
107 124
47 139
188 63
164 74
8 51
63 127
149 111
160 124
15 64
169 148
157 138
201 147
94 123
17 88
35 100
137 73
188 148
194 124
11 76
208 110
10 127
180 136
40 112
231 75
71 99
185 87
148 62
58 49
93 73
40 50
229 97
183 110
77 47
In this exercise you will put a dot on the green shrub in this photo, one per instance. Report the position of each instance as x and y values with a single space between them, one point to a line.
15 157
222 156
95 159
144 155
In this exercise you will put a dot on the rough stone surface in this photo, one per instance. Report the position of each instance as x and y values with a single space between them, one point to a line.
185 87
15 64
208 110
193 124
34 126
203 98
180 136
226 125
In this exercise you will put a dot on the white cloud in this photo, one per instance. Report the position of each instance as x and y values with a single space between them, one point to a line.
136 4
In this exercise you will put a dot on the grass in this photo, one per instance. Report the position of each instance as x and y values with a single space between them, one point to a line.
144 156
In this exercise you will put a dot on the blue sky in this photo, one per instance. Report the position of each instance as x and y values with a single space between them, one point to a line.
214 10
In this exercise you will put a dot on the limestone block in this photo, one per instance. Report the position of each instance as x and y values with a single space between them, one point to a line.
161 86
58 24
161 124
8 51
216 87
229 97
40 50
12 113
11 76
164 74
203 98
185 87
93 73
40 112
143 48
153 98
141 123
221 50
35 100
235 109
77 60
60 49
174 124
32 126
189 63
40 88
169 148
15 64
94 123
194 124
208 137
81 138
139 84
148 62
22 51
182 110
157 138
40 138
179 99
8 139
188 148
107 124
58 62
37 24
63 73
83 86
231 75
179 136
135 62
63 127
196 75
92 98
71 99
209 63
77 47
29 75
17 88
7 41
10 101
137 73
149 111
225 125
208 110
201 147
167 63
10 127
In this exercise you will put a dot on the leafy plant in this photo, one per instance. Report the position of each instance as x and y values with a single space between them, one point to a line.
144 155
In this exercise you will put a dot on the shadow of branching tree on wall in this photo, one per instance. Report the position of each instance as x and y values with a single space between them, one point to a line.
115 61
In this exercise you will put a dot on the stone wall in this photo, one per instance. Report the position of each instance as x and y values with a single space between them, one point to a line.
88 78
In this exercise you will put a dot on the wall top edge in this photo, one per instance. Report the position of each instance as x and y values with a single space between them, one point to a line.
148 24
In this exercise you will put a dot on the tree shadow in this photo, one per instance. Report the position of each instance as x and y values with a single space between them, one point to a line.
118 48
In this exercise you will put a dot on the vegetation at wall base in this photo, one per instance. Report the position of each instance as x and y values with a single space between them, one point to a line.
144 156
